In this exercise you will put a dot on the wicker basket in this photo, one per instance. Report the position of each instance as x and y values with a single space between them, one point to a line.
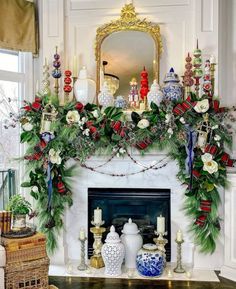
25 249
27 275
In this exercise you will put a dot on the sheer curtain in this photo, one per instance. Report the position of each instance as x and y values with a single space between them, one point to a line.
18 26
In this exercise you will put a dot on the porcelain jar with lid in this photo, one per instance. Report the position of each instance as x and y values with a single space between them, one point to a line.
84 88
172 89
132 241
150 261
105 97
155 94
113 253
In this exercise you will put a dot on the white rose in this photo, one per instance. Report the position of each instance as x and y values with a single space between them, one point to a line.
122 151
35 189
217 137
182 120
54 157
206 157
95 113
27 126
72 116
143 123
86 132
202 106
211 167
168 118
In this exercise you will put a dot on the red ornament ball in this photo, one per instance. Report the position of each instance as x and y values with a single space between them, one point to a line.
67 80
67 88
67 73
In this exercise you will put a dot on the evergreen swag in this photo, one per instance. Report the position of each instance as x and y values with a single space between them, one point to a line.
80 131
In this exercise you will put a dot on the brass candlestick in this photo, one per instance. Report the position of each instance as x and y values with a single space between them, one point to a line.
82 266
212 70
96 260
161 242
179 268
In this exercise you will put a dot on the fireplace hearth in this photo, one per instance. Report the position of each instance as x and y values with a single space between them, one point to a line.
143 205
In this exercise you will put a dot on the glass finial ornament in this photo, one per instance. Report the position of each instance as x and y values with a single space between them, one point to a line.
105 97
188 76
155 94
67 85
207 85
133 96
46 82
197 71
56 73
172 89
144 87
84 88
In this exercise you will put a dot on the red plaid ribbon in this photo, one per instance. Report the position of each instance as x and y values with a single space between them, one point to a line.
186 105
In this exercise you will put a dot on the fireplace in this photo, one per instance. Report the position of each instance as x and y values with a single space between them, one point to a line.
140 204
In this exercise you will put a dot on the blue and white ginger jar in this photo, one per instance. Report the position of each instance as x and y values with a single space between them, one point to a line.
150 261
172 89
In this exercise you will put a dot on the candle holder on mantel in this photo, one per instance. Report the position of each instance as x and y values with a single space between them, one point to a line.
161 242
96 260
82 266
179 268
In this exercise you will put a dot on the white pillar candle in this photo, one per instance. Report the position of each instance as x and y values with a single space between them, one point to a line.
212 59
82 234
160 224
179 236
97 216
37 86
47 126
75 66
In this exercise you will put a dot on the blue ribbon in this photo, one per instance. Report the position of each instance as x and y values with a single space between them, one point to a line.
49 180
47 136
192 139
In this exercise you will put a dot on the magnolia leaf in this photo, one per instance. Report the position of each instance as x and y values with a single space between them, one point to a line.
25 136
154 107
135 117
25 185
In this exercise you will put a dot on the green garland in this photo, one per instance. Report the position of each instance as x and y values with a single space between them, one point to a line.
79 132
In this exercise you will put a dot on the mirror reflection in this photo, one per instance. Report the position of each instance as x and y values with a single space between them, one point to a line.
124 55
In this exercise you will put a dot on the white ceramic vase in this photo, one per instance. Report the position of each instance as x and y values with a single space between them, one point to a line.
133 242
155 94
84 88
113 253
105 97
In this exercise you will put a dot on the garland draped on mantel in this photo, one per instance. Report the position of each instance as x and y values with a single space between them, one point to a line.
78 131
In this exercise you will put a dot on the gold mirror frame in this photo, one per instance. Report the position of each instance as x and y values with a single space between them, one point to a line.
128 21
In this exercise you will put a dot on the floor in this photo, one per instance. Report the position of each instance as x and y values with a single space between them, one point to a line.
101 283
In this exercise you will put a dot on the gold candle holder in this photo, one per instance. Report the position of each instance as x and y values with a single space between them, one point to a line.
96 260
161 242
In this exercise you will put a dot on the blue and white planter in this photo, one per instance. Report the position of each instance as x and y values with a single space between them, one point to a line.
150 261
172 89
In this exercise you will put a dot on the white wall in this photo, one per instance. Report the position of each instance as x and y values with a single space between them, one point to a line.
72 24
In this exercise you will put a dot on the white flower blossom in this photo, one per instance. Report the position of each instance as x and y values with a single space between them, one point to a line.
182 120
35 189
95 113
170 131
168 118
202 106
27 126
54 157
122 151
215 127
143 123
86 132
72 116
206 157
211 167
217 137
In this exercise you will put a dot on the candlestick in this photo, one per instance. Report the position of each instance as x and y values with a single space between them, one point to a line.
161 224
97 216
96 260
161 242
179 268
82 266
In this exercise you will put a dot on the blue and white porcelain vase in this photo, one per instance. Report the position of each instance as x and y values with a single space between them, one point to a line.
155 94
150 261
113 253
172 89
105 97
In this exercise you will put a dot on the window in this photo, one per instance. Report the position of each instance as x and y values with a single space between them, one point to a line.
15 67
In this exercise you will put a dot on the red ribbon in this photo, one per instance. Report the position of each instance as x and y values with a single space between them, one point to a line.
212 149
225 158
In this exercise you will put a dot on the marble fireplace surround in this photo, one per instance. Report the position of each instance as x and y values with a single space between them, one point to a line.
76 216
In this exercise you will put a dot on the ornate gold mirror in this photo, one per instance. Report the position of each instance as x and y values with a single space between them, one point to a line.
123 47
